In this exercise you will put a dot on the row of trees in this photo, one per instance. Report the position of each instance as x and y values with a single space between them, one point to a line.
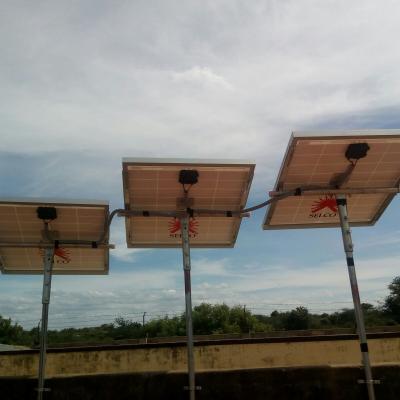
212 319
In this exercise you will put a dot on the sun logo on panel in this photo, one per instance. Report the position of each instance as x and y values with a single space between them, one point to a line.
327 202
61 255
324 207
175 228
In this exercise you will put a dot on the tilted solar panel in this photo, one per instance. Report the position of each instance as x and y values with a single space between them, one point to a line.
22 236
153 185
319 159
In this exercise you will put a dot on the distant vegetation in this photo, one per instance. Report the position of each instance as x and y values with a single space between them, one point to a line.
212 319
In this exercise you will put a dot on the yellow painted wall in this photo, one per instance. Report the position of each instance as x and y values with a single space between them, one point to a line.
215 357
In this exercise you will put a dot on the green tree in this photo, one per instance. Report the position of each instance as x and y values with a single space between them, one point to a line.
278 320
220 318
298 319
374 316
321 321
166 326
209 319
126 329
204 321
343 319
11 333
392 302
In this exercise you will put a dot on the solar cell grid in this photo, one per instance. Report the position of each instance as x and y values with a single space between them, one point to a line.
153 185
21 230
316 159
67 260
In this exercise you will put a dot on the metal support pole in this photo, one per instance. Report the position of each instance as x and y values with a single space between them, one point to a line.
348 248
188 303
48 268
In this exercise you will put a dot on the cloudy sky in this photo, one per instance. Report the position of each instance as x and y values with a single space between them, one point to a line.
85 83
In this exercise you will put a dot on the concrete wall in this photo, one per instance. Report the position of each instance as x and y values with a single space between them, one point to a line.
337 351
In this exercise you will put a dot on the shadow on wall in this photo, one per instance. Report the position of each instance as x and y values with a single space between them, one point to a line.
314 383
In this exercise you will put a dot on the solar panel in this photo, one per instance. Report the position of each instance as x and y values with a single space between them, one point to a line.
22 238
153 185
318 159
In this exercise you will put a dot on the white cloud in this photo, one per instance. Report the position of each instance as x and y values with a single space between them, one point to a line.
207 267
95 299
382 240
203 76
111 92
323 288
118 238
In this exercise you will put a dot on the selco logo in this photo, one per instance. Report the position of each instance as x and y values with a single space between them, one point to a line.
61 256
175 228
324 208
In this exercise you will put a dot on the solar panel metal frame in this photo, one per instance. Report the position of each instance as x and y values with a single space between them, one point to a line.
53 202
328 135
192 163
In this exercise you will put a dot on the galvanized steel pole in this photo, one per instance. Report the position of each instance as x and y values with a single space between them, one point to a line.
188 302
48 268
348 248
